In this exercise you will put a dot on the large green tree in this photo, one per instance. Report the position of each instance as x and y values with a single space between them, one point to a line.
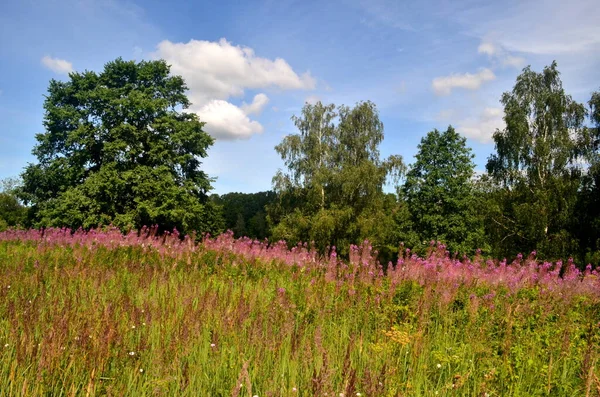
537 166
587 227
439 193
12 212
119 148
332 189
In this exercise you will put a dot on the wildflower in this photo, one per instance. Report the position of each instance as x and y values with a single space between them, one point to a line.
212 345
132 353
439 365
294 389
6 345
358 394
141 370
8 287
133 327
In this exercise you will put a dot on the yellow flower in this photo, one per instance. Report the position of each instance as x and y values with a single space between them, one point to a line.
398 336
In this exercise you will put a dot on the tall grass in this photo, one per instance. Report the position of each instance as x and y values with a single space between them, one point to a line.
104 314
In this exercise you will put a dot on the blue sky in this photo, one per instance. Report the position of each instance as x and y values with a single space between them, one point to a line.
251 65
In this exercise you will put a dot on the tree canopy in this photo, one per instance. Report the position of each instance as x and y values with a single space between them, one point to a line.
119 148
334 179
439 192
12 212
538 164
245 213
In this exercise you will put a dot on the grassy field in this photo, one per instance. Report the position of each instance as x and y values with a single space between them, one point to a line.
101 314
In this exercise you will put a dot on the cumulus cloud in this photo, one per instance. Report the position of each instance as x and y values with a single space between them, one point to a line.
57 65
496 52
217 71
444 85
482 127
487 48
258 104
227 121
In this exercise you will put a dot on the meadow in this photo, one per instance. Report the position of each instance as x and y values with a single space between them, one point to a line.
99 313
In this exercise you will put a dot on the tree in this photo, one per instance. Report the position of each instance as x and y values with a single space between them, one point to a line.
439 192
119 148
334 180
537 165
12 212
245 213
587 228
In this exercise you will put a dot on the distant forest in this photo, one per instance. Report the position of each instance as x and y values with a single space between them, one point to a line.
120 149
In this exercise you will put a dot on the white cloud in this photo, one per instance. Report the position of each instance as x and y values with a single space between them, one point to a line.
217 71
496 52
227 121
258 104
515 62
487 48
57 65
444 85
482 127
541 27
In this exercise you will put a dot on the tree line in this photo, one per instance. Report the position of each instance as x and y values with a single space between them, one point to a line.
120 148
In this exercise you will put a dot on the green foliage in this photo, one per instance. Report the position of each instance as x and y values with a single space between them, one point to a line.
12 212
587 213
245 214
439 193
537 166
119 149
333 185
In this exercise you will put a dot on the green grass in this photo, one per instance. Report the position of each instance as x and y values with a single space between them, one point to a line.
130 321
